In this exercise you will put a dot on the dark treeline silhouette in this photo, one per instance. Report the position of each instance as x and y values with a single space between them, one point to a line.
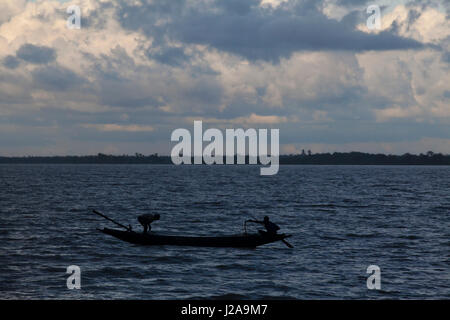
100 159
338 158
359 158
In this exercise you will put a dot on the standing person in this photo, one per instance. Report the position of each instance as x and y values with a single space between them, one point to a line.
146 220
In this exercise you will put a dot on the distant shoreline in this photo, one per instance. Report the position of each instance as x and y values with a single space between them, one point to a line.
337 158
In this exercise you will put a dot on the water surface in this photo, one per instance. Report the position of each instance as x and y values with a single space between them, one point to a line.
342 218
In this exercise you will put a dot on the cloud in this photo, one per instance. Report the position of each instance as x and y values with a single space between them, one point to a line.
253 32
126 93
425 23
118 127
36 54
14 92
351 3
9 8
396 112
172 56
446 57
11 62
138 69
55 78
280 36
252 119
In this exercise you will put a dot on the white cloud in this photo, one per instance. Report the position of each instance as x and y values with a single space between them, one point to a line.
252 119
10 8
118 127
429 24
411 84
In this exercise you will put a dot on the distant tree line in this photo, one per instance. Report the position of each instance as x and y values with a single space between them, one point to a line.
360 158
336 158
97 159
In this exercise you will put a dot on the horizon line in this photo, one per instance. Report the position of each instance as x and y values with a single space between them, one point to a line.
137 154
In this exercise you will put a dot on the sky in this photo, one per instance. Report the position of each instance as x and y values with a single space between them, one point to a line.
138 69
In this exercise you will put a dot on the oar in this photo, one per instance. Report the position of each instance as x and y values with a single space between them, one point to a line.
287 243
107 218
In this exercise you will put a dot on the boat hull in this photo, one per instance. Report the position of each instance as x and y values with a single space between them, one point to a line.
238 241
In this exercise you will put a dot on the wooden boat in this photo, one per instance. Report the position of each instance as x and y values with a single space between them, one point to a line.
234 241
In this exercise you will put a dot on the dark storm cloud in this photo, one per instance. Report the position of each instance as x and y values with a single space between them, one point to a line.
36 54
11 62
203 92
423 4
96 19
238 6
55 78
115 88
446 57
145 16
354 3
170 56
21 94
253 32
413 15
447 94
125 93
281 36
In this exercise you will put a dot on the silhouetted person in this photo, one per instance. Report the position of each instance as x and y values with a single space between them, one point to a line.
146 220
271 227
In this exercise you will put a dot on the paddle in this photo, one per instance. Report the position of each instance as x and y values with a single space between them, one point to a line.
254 220
107 218
287 243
